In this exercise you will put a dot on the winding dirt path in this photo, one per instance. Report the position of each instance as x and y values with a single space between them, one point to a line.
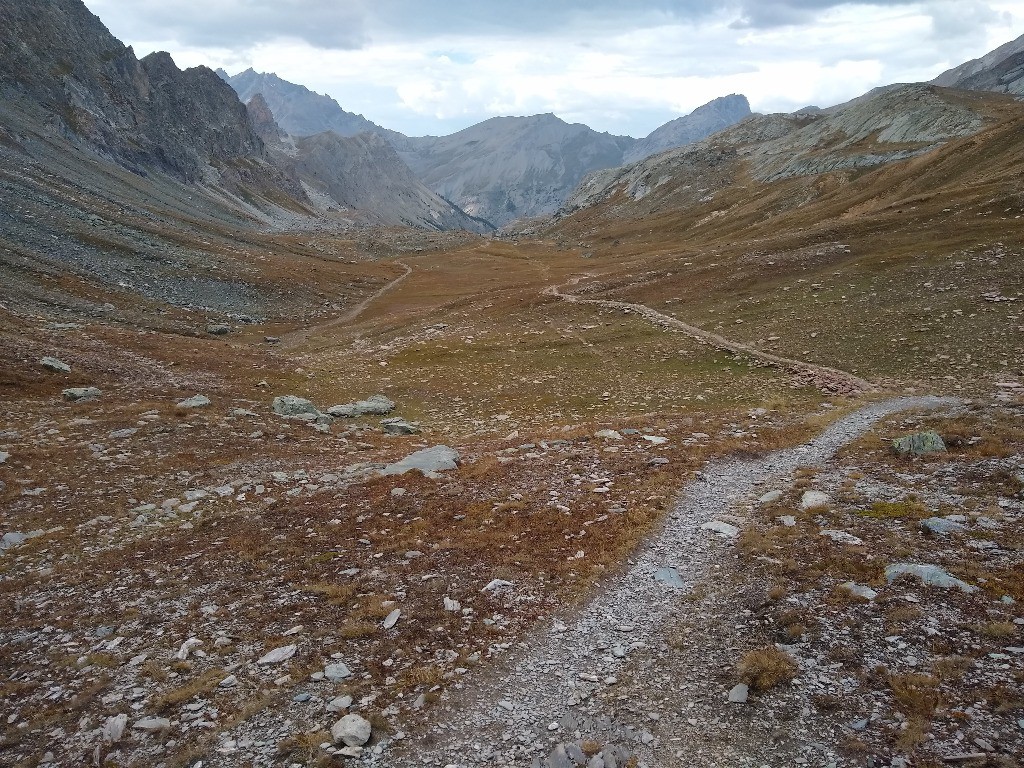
829 380
296 338
558 690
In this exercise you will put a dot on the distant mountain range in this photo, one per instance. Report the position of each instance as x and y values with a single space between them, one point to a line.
68 84
502 169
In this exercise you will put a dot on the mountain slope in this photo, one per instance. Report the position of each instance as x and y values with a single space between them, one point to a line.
1001 69
884 126
507 168
64 75
714 116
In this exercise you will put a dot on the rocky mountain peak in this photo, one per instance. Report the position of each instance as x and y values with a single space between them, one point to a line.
707 119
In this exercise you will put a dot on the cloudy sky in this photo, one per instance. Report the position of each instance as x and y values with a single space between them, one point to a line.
624 66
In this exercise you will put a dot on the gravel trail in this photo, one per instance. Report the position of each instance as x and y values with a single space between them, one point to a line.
298 337
831 380
526 713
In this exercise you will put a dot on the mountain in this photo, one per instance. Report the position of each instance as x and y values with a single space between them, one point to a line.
508 168
298 110
714 116
62 74
1000 70
889 124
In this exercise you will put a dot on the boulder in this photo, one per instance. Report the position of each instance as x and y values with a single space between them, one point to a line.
930 575
196 401
814 500
375 405
290 405
429 461
74 394
399 426
55 365
919 444
218 329
352 730
941 525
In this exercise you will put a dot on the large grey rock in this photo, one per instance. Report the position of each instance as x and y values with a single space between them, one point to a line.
941 525
337 672
218 329
429 461
4 457
17 538
399 426
196 401
291 405
919 444
814 500
375 405
74 394
352 730
55 365
930 575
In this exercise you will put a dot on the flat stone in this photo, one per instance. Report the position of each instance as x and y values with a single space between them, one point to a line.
152 724
930 575
218 329
842 537
338 704
770 498
738 694
337 672
75 394
787 520
278 655
722 529
429 461
919 444
941 525
392 618
814 500
4 457
608 434
352 730
196 401
55 365
670 577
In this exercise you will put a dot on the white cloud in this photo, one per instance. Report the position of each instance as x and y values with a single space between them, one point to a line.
430 67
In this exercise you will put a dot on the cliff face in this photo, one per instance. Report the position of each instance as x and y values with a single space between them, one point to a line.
63 73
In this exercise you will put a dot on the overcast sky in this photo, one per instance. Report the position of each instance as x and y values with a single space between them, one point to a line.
436 66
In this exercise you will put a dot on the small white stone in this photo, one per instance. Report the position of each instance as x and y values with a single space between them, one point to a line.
278 655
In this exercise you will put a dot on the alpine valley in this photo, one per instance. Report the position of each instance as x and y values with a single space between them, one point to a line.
528 445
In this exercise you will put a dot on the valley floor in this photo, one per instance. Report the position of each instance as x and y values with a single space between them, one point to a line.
553 599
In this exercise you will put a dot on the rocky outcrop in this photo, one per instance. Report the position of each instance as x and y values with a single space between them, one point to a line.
714 116
62 72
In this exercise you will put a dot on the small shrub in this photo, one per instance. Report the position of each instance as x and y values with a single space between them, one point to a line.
765 668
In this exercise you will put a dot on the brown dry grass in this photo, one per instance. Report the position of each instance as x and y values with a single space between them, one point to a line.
765 668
